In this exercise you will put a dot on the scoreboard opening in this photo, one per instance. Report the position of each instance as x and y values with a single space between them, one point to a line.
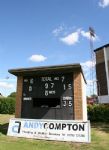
47 102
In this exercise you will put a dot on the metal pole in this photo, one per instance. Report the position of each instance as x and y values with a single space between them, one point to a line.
92 68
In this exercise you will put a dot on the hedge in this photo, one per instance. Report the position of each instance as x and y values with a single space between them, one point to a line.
7 105
98 113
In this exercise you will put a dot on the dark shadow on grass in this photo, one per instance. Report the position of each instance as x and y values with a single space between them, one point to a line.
4 128
101 126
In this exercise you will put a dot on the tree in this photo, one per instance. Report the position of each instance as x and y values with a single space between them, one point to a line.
13 94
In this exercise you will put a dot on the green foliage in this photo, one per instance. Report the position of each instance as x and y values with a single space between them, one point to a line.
7 105
98 113
13 94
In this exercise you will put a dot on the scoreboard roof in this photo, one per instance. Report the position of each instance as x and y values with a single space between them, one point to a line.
44 70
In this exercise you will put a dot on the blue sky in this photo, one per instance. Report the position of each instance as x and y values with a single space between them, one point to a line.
48 32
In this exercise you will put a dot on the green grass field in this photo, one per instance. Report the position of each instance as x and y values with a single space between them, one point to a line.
99 140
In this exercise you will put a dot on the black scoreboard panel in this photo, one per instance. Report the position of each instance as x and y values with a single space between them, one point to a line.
48 97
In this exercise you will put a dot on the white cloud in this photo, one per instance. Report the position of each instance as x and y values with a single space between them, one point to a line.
87 35
6 85
88 67
90 82
72 38
88 64
7 80
104 3
37 58
58 30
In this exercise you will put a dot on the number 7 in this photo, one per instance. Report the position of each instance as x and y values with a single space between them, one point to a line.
52 85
